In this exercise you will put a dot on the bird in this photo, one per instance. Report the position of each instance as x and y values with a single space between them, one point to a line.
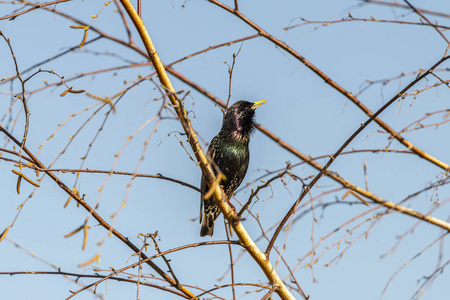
229 155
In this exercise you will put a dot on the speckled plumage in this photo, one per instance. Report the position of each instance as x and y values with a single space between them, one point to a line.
229 152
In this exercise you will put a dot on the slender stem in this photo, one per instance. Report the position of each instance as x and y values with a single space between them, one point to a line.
396 4
428 21
35 6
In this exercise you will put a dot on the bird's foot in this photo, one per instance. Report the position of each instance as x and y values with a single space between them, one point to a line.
236 218
232 207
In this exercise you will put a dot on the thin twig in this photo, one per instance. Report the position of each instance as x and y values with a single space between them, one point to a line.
35 6
428 21
396 4
231 262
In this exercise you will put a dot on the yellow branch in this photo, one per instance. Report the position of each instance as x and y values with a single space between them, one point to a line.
244 237
26 178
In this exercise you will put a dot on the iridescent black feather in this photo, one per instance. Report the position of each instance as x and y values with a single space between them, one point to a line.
229 152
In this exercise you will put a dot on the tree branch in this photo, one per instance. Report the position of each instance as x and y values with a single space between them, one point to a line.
207 171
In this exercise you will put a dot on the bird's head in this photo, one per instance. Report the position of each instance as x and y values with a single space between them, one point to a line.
239 119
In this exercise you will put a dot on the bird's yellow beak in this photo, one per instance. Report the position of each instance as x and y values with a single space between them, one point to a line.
258 103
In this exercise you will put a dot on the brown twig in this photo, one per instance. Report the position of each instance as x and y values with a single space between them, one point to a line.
396 4
22 94
350 18
53 266
230 72
269 293
410 260
62 273
153 236
228 285
266 184
35 6
427 115
124 21
233 291
428 21
428 280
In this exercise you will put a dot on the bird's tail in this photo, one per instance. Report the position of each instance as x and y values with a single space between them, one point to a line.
207 225
209 215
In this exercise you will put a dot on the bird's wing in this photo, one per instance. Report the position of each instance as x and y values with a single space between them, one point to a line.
203 184
204 189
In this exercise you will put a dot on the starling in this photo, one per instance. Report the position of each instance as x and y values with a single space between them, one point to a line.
229 153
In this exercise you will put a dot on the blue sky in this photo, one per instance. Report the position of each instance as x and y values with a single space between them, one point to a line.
301 109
